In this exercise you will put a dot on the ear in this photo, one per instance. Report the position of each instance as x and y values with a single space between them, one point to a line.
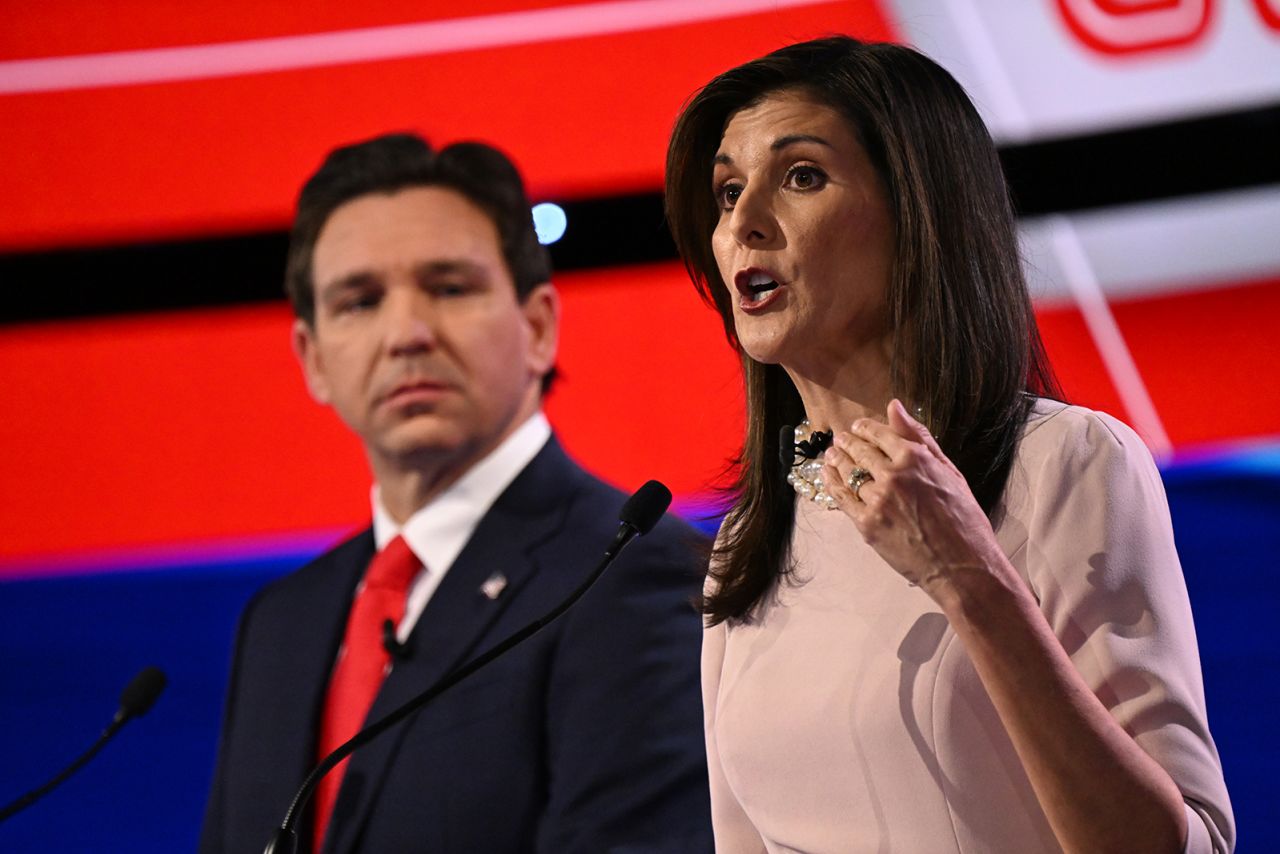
542 315
308 353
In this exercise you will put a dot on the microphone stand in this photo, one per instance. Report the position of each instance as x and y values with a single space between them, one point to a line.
138 696
285 839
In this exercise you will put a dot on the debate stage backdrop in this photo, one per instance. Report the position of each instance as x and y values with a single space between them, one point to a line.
161 460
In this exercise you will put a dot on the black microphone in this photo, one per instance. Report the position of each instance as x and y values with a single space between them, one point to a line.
392 644
638 516
136 698
787 448
140 695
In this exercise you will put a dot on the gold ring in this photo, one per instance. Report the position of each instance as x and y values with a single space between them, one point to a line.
856 479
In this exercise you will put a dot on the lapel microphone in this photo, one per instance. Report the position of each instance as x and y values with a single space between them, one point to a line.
638 516
394 647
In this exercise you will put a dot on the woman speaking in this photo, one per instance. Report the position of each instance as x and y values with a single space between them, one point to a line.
945 612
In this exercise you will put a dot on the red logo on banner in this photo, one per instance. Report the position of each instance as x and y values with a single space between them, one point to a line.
1270 12
1131 26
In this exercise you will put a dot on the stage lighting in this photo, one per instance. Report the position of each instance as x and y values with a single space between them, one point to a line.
549 221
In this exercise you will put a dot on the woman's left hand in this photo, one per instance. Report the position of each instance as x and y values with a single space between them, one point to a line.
915 509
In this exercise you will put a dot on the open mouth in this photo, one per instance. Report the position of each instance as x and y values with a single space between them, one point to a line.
759 286
756 288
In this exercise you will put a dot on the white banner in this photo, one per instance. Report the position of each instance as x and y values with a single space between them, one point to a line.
1048 68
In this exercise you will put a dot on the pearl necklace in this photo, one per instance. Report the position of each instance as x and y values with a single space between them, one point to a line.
805 476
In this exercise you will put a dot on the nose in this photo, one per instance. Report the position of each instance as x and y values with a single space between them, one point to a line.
752 220
409 322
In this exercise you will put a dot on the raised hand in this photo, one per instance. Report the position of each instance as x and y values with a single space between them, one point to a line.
909 501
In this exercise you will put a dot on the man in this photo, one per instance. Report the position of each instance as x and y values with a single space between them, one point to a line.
426 319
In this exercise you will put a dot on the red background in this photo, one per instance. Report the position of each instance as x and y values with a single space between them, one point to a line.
194 427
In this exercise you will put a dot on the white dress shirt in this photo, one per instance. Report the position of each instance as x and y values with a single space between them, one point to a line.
438 531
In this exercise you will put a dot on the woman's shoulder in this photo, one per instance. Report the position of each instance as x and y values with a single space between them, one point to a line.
1079 479
1075 446
1062 431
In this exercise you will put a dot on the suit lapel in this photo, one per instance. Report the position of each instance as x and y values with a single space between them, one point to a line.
452 628
317 608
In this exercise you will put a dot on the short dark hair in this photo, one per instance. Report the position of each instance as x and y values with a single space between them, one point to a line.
965 344
397 161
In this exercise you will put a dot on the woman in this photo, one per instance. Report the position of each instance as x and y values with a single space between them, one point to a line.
969 631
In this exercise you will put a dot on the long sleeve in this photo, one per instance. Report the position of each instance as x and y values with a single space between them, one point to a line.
1100 558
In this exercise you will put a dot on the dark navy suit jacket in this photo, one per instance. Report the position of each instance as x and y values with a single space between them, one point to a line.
587 738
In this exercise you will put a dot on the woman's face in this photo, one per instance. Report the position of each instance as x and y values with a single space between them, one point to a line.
805 238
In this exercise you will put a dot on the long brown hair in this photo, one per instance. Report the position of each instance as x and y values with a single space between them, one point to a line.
966 349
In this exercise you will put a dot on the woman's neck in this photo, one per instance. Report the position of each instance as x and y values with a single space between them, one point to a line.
834 399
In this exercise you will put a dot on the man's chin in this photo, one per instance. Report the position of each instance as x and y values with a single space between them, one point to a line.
426 440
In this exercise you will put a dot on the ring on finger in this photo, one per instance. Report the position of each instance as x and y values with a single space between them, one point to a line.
856 479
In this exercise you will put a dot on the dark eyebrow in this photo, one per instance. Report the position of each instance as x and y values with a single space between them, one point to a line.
349 282
446 267
791 139
360 279
778 144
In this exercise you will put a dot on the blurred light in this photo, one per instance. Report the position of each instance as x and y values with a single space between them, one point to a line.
549 221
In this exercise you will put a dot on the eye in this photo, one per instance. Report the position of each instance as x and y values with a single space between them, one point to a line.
356 302
803 177
448 288
727 195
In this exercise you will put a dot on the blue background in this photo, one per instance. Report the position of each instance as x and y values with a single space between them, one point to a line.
70 643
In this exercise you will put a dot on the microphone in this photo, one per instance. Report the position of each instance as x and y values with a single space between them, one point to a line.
638 516
140 695
393 646
787 448
136 698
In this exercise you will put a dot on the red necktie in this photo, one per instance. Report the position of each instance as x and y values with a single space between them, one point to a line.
362 664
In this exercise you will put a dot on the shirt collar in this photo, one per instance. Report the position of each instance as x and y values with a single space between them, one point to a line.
438 531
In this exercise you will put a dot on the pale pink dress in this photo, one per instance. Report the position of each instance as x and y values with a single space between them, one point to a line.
849 718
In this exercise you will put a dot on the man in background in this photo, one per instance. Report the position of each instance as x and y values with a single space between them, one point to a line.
426 319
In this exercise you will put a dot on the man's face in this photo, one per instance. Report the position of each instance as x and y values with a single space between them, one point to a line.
420 343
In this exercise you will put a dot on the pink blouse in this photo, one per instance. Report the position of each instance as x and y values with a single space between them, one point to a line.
847 717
